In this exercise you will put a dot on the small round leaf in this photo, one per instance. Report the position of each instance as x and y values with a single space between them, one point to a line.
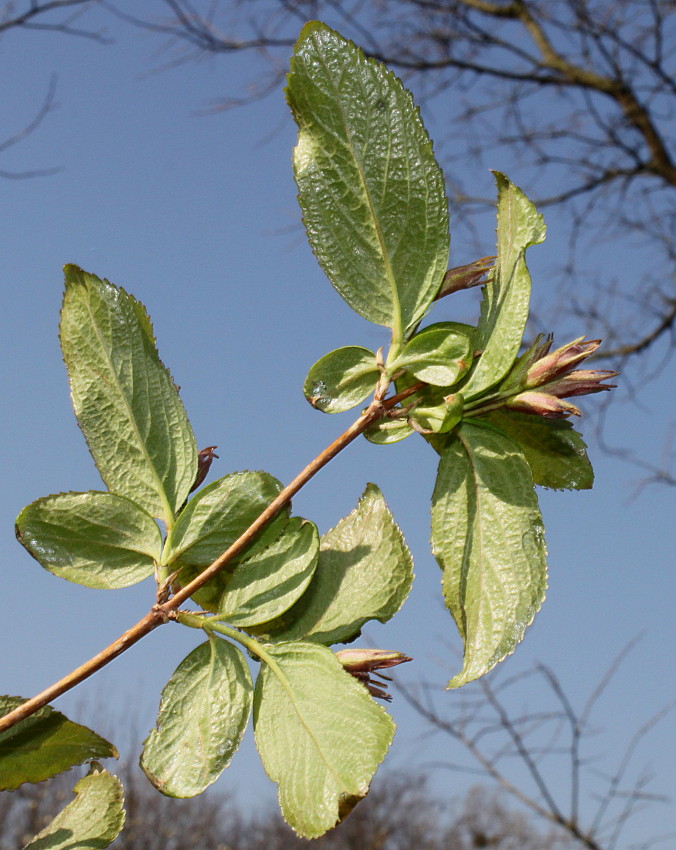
440 354
342 379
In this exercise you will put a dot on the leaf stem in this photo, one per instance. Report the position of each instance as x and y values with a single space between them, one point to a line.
163 612
212 624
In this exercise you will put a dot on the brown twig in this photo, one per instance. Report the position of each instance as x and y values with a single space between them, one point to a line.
163 612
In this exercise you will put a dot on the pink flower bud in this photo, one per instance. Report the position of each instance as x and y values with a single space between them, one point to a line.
560 362
464 277
542 404
581 382
362 664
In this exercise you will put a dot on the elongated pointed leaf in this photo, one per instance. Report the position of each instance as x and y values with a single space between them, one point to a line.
124 398
268 583
364 573
44 744
94 539
556 453
371 191
92 821
488 538
204 711
342 379
319 734
504 309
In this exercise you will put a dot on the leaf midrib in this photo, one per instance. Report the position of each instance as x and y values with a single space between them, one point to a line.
389 273
169 516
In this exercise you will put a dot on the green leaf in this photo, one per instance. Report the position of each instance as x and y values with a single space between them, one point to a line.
92 821
342 379
504 309
219 514
211 522
364 573
387 431
124 398
319 734
554 450
95 539
204 711
439 354
44 744
268 583
440 418
371 191
488 538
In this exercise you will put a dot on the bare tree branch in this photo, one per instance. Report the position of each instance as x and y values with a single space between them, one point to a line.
35 13
500 738
26 131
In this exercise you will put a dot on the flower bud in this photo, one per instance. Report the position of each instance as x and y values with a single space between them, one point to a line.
542 404
556 363
465 277
362 663
581 382
204 459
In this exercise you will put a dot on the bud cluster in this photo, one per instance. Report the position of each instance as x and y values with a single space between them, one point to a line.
551 377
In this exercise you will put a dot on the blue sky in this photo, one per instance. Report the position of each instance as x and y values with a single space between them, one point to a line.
197 216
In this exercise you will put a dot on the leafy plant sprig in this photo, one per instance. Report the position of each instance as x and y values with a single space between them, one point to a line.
267 585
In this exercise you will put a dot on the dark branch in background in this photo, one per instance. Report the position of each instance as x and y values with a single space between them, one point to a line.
45 16
581 95
32 125
33 16
605 70
502 743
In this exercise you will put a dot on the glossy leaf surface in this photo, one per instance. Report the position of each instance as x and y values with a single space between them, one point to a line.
124 398
387 431
556 453
204 711
218 514
488 538
268 583
371 191
94 539
44 744
441 418
364 573
438 354
92 821
342 379
319 734
506 294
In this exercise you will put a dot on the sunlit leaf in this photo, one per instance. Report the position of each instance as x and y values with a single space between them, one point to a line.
364 573
372 194
342 379
268 583
214 519
44 744
504 308
488 538
94 539
320 735
124 398
439 354
440 418
204 711
387 431
92 821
